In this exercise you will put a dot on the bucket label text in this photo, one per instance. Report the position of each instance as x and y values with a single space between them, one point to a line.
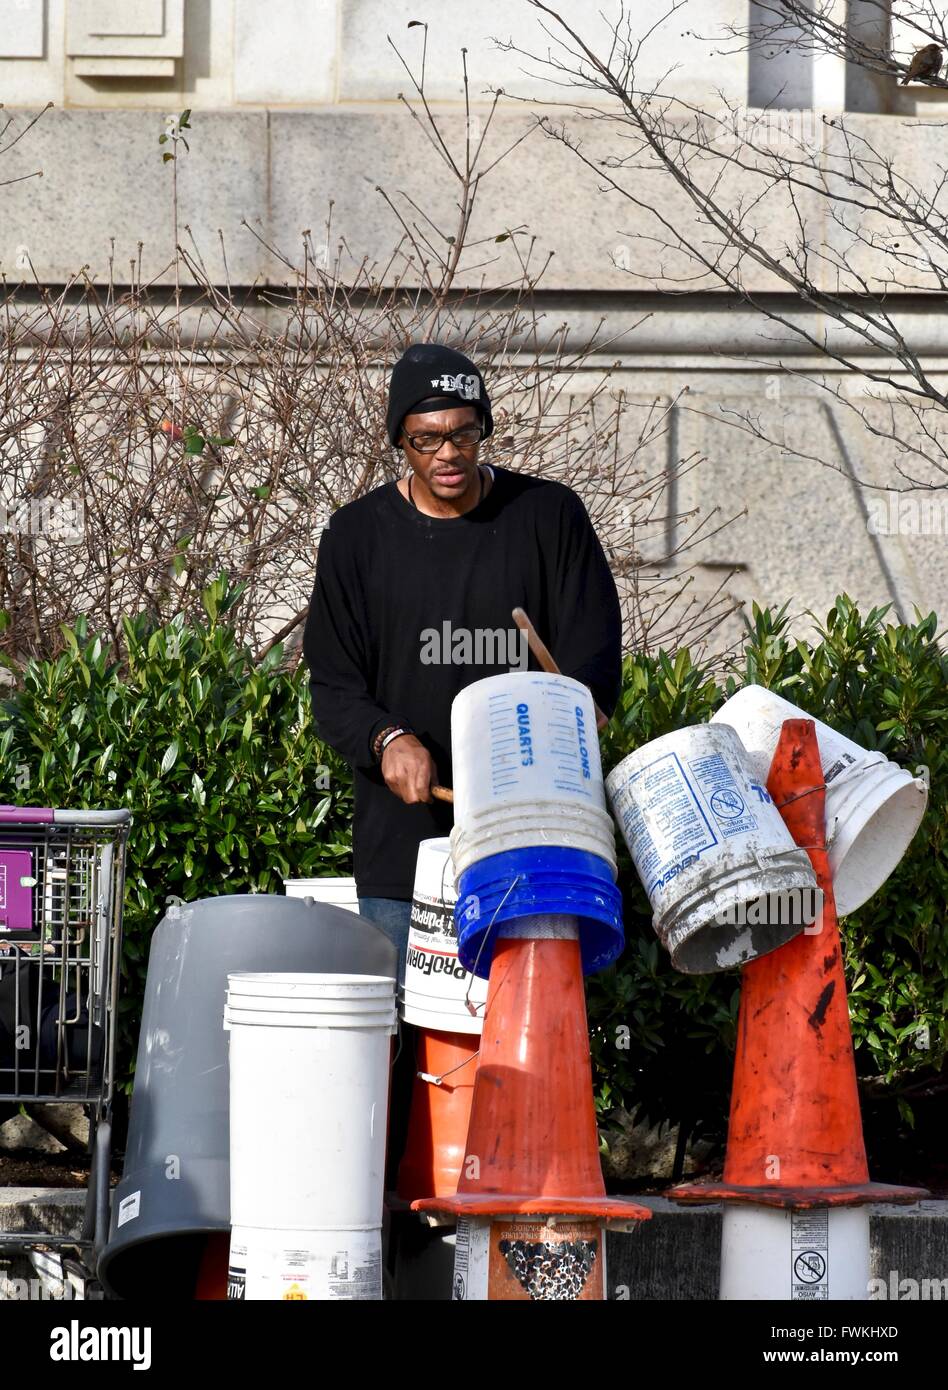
434 919
429 962
663 820
523 731
722 793
583 747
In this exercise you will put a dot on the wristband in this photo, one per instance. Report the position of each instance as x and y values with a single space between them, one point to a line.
396 733
385 736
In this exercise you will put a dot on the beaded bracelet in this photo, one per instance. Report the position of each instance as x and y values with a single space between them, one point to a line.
385 736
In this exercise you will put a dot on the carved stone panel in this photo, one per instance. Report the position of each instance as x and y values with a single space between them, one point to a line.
125 38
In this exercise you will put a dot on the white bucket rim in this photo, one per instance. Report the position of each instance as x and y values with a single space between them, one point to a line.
440 844
328 879
280 1004
343 895
877 781
598 834
547 678
798 874
534 807
871 816
471 850
306 1020
860 871
690 949
422 1015
568 834
323 983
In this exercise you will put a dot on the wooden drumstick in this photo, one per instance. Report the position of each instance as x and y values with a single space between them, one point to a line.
546 662
544 659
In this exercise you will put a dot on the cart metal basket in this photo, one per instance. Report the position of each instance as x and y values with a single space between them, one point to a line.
62 876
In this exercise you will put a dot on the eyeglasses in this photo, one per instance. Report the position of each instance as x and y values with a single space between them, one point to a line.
431 443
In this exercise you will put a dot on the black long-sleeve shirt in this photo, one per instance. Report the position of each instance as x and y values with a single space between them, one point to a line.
388 580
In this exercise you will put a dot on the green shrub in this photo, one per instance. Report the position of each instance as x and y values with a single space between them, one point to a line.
230 789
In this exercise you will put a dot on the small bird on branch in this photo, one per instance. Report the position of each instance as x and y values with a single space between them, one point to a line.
925 63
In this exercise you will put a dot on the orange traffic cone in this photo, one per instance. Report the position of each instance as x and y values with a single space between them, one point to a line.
532 1145
796 1182
440 1112
795 1132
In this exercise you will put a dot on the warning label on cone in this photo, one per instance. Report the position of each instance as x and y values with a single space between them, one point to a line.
462 1260
809 1255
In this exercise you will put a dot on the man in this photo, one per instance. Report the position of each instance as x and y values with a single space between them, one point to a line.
415 583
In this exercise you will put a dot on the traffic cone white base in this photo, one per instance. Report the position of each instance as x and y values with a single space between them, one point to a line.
807 1256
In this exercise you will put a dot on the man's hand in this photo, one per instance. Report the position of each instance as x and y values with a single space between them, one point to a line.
409 769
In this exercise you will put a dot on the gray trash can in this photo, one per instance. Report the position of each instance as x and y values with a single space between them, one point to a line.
175 1188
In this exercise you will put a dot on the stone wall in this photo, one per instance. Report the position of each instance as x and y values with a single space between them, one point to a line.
295 104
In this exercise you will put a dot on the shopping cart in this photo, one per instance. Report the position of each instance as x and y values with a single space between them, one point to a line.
62 876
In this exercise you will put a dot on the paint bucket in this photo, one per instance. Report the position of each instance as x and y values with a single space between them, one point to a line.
873 806
340 892
710 848
435 1147
532 834
437 987
309 1070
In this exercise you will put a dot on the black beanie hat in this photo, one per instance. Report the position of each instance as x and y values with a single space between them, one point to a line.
430 369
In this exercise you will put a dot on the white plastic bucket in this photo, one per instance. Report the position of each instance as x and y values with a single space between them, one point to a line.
309 1076
341 892
710 848
527 772
437 987
873 806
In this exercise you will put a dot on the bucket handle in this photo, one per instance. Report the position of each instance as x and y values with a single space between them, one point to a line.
770 854
484 940
448 860
849 774
437 1080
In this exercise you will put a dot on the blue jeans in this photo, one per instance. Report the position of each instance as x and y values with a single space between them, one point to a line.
392 916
